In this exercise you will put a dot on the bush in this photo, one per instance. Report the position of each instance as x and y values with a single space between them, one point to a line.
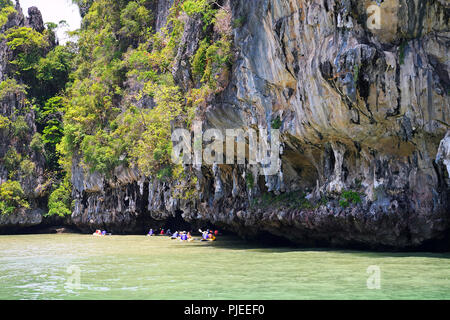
27 167
204 7
6 10
20 127
36 143
276 123
239 22
218 57
135 20
210 60
249 180
12 197
4 122
12 159
5 3
348 197
164 173
59 201
52 72
199 59
99 154
28 45
10 86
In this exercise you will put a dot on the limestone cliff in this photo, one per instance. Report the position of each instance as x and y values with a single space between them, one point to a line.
361 109
15 137
360 92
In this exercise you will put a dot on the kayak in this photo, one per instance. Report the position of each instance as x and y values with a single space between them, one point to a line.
212 239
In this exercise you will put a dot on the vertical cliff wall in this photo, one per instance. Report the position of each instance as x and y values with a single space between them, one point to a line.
361 109
19 163
360 93
362 112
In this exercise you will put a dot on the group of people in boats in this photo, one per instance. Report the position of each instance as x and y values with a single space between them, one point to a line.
100 233
208 235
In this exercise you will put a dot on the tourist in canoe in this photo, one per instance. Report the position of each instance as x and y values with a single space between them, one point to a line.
174 235
150 233
184 237
97 233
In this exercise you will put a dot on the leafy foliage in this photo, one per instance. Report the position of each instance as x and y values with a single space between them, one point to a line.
6 9
12 159
20 127
127 72
199 59
53 70
5 3
203 7
10 86
4 122
135 19
294 200
348 197
250 180
12 197
212 57
111 99
276 123
28 46
27 168
36 143
59 202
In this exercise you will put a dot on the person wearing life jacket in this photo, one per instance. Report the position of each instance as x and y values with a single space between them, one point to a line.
216 233
211 236
150 233
184 237
174 235
162 232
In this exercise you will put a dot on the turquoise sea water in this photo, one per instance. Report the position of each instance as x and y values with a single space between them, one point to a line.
72 266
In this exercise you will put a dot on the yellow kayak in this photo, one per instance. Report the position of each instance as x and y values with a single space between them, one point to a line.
210 239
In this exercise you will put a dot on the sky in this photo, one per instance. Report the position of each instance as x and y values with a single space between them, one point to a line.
55 11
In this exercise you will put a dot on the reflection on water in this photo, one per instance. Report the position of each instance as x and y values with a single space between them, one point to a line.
138 267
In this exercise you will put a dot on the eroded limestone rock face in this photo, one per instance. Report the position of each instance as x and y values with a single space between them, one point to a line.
361 90
443 156
362 109
34 19
14 105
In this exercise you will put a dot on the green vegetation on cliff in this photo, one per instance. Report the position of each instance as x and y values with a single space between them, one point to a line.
11 197
124 98
109 99
33 88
